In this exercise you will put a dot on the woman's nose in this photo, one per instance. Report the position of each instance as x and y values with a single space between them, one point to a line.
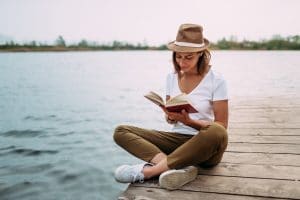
182 61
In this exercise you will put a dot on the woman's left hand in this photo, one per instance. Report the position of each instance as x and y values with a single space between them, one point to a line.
182 117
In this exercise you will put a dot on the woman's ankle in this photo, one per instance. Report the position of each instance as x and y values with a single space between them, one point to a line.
148 171
155 170
158 158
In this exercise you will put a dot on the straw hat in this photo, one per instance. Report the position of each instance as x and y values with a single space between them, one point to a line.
189 39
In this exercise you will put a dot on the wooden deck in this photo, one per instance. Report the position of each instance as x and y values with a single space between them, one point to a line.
262 160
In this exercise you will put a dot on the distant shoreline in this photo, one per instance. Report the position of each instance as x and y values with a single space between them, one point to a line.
60 45
72 49
18 50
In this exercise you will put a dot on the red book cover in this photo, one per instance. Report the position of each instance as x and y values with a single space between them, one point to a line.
178 108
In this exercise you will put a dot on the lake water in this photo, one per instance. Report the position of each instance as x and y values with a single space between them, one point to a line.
58 112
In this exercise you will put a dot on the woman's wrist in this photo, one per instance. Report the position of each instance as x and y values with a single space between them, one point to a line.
197 124
170 121
189 122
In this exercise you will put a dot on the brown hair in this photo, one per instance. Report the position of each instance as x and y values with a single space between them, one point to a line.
202 64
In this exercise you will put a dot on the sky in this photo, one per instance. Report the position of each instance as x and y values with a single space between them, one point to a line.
154 22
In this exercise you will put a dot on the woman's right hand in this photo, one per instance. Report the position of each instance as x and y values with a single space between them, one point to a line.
168 119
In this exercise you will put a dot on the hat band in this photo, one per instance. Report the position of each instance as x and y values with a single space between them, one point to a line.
189 44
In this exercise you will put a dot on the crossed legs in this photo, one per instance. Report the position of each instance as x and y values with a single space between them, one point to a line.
168 150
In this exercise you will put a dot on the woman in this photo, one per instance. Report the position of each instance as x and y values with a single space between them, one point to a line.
197 139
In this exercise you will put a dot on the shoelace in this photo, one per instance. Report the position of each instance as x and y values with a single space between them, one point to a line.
137 178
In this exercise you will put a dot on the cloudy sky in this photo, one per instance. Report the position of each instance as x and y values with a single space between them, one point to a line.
152 21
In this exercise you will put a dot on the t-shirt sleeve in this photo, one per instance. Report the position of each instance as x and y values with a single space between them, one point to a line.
168 84
220 89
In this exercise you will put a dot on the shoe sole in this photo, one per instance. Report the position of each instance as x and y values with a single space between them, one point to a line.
174 179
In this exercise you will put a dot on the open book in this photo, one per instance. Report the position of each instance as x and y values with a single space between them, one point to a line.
175 104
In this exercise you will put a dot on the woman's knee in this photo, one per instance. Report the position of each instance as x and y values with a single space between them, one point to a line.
213 135
119 133
219 133
216 127
216 130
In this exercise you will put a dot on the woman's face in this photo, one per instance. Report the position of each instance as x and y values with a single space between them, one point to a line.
187 61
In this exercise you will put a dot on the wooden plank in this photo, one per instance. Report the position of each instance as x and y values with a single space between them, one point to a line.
265 117
253 171
240 186
269 115
263 125
272 102
266 139
264 148
280 100
142 193
261 110
253 106
260 106
261 131
261 159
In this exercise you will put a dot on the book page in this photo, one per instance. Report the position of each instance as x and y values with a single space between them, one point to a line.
178 100
179 103
155 98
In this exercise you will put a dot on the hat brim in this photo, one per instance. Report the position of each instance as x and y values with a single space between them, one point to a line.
176 48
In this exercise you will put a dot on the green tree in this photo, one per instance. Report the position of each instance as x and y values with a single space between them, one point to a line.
33 43
83 43
60 41
223 44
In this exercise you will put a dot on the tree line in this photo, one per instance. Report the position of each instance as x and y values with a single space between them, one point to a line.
277 42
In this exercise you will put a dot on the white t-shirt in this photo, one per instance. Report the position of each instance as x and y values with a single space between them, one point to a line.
212 88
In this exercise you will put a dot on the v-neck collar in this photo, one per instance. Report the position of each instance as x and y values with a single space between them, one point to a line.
198 85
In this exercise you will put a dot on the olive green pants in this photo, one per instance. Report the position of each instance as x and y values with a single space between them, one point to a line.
206 148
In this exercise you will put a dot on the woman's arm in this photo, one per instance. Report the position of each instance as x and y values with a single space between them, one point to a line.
220 109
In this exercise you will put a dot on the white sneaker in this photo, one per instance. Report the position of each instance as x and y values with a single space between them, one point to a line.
130 173
174 179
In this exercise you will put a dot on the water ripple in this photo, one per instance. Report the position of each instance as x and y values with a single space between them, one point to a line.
66 133
47 117
7 148
11 170
32 152
21 190
22 133
14 188
69 178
